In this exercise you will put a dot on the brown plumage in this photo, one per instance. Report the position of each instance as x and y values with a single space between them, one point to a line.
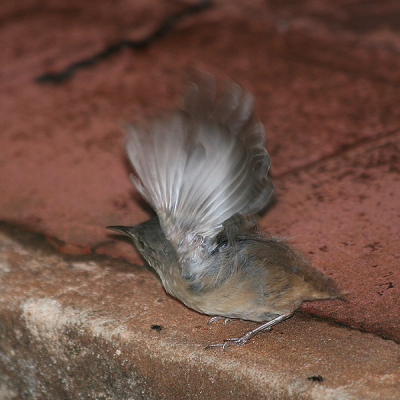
204 170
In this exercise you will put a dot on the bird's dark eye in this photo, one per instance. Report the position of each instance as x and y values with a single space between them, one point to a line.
140 244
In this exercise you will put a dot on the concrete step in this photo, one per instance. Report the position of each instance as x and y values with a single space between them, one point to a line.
91 327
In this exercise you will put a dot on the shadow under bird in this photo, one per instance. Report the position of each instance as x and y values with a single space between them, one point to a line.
204 171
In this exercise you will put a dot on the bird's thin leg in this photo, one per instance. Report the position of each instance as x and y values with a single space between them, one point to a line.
248 335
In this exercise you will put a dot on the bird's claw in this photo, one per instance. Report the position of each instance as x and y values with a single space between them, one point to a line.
230 342
217 318
248 335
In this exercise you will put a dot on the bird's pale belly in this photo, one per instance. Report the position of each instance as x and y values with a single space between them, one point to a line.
223 301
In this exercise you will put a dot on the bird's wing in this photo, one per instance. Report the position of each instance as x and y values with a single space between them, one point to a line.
201 165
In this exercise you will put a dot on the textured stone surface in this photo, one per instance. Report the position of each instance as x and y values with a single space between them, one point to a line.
80 327
344 212
326 82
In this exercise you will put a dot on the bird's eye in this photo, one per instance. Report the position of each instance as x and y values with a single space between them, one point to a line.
140 244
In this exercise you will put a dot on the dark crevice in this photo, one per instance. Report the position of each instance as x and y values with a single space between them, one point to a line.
341 151
306 314
165 26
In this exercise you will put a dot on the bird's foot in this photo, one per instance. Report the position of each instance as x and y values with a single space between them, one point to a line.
218 318
240 341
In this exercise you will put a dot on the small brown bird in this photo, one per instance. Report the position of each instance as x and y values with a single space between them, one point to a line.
204 171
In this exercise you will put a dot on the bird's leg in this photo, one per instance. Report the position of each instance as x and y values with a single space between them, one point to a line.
218 318
248 335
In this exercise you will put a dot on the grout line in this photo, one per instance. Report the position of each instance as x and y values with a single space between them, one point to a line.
342 324
341 151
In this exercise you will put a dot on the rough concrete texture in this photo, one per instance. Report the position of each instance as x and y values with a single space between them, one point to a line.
80 327
326 78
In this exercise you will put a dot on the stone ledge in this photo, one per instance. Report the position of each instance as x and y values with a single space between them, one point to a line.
80 327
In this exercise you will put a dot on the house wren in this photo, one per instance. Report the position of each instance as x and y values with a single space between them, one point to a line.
204 171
